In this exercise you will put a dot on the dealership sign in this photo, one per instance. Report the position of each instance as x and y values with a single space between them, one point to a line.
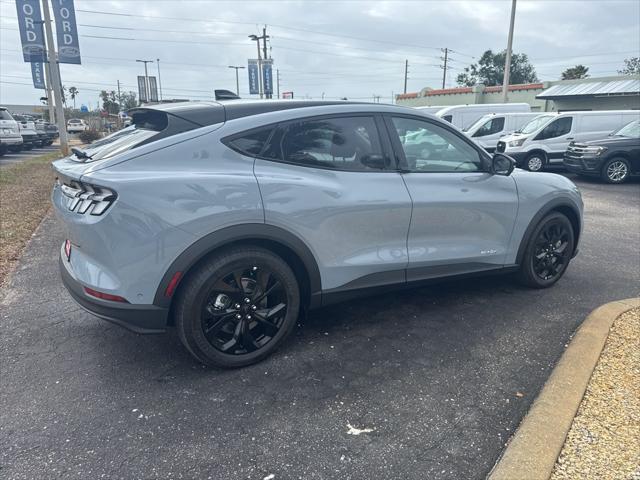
142 89
153 89
37 72
68 45
31 32
267 76
254 77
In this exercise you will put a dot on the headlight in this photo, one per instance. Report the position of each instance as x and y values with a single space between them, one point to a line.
594 150
517 143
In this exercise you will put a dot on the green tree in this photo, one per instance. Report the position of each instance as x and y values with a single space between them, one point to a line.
109 102
575 73
73 93
631 66
128 100
490 70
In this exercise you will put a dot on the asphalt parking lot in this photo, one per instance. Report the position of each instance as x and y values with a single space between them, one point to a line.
441 375
9 157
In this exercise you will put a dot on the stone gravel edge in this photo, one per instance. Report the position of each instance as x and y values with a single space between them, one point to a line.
533 450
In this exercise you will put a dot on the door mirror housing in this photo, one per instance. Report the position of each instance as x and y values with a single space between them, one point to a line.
502 164
374 161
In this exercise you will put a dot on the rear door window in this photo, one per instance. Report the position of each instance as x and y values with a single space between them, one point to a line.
341 143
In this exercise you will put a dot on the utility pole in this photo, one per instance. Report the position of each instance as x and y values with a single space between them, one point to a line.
146 79
54 68
406 73
507 63
278 81
159 79
237 80
119 97
446 58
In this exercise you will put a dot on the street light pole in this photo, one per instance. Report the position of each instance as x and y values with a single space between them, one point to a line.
507 62
159 79
146 78
237 81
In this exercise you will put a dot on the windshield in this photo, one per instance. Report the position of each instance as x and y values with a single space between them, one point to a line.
477 124
535 124
629 130
117 142
4 115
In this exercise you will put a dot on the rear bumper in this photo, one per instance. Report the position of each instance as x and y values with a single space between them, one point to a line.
137 318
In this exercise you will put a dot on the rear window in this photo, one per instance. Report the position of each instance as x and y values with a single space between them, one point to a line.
4 115
117 142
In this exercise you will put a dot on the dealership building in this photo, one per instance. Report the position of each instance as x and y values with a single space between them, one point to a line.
603 93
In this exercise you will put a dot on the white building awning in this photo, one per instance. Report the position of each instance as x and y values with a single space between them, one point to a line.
591 89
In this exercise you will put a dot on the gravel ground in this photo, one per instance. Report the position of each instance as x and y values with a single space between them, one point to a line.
604 440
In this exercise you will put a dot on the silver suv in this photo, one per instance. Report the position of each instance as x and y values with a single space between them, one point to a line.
229 220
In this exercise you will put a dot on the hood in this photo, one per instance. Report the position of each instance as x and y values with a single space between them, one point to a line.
611 142
514 136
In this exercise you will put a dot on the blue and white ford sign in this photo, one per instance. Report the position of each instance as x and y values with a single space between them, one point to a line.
37 73
31 31
67 31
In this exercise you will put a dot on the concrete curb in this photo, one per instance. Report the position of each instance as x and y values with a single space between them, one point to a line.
534 448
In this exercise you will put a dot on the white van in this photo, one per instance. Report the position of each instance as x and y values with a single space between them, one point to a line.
544 141
488 129
432 109
463 116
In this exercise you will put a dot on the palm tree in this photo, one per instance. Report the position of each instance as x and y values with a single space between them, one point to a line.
73 92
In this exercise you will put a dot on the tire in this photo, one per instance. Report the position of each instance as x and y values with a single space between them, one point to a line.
28 146
615 170
555 257
16 148
210 300
535 162
3 150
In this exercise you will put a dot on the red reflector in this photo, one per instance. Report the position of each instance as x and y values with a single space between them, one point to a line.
67 249
104 296
171 288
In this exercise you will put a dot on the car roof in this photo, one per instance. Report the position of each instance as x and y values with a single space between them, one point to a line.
205 113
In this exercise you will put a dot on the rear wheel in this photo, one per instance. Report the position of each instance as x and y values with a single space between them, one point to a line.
615 170
535 162
238 307
15 148
548 252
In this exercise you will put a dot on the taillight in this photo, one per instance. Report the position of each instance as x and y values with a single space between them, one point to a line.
104 296
85 198
67 249
172 284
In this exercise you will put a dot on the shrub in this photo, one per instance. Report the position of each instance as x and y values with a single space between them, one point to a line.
89 136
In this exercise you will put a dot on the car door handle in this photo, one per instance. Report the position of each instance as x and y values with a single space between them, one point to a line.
569 138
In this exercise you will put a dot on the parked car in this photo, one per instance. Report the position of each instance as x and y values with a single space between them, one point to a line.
43 137
544 141
76 125
52 132
493 126
614 159
227 220
463 116
27 127
10 138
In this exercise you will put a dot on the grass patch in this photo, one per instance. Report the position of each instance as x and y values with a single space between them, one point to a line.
25 189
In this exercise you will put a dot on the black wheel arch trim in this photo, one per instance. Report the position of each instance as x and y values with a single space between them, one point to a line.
242 233
558 204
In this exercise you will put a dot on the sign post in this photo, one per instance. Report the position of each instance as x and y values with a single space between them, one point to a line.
55 80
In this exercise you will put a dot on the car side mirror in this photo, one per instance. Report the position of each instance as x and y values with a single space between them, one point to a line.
377 162
502 164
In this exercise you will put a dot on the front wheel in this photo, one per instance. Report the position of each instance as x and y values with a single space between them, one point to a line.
238 307
548 252
535 162
615 170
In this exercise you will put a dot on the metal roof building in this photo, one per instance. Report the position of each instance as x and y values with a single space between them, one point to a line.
605 93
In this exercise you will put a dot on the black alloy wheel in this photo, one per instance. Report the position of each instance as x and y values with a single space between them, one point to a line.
549 251
238 307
